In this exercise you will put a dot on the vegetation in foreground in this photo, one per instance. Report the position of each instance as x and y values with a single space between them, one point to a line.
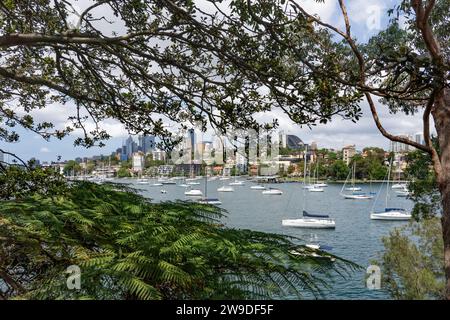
413 260
130 248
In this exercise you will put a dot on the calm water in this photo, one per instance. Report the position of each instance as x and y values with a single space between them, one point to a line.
356 237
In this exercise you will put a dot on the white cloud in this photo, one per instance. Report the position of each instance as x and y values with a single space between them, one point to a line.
44 150
325 10
339 132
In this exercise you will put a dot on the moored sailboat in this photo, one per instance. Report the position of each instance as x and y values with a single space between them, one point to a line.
389 213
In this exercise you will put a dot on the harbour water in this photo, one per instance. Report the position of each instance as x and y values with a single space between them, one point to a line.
356 237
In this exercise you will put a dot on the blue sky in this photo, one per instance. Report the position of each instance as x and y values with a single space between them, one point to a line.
364 19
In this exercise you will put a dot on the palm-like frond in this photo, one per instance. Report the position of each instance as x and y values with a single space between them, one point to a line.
130 248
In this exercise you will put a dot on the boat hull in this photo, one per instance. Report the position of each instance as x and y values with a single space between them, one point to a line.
272 192
225 189
309 223
391 215
357 197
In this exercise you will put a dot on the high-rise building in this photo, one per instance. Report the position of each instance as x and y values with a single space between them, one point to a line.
123 153
130 147
146 143
398 147
418 137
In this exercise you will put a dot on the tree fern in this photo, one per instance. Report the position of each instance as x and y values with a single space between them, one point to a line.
130 248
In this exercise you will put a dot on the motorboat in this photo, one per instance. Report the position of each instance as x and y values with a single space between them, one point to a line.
157 184
272 191
258 187
395 214
224 178
399 186
184 185
193 193
308 186
213 201
192 183
225 189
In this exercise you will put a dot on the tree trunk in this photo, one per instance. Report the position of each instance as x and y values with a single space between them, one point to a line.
441 115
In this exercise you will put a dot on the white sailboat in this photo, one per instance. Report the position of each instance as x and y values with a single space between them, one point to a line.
236 182
316 221
311 223
225 188
141 180
193 193
315 187
354 195
183 181
206 200
305 161
389 213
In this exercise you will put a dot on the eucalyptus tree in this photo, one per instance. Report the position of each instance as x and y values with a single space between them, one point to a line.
220 63
406 68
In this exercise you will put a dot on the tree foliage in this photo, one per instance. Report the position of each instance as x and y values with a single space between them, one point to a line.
17 182
172 59
423 186
413 262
